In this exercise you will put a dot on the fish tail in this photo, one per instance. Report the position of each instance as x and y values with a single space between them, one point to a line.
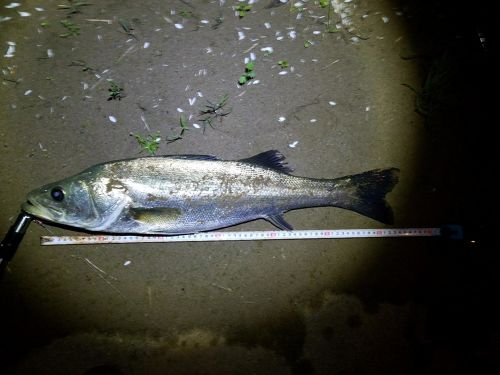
365 193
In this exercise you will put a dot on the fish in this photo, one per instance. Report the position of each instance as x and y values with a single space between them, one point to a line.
184 194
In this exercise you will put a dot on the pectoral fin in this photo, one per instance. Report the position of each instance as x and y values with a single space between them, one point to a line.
156 216
279 221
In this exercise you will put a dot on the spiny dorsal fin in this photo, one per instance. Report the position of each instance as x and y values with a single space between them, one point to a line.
272 159
193 157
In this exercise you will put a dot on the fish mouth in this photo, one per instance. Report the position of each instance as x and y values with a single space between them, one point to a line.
42 211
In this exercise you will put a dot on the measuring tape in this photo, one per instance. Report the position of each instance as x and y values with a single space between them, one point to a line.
243 236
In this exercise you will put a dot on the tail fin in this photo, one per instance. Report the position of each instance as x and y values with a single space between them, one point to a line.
365 193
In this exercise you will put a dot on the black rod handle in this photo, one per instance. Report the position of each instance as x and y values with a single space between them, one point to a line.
13 238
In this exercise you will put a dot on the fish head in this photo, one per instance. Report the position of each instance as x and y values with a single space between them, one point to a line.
68 202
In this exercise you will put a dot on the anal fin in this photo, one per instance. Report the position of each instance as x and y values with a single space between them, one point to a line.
279 221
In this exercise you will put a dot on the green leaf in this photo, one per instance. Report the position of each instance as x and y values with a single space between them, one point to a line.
308 43
242 80
250 75
283 64
249 66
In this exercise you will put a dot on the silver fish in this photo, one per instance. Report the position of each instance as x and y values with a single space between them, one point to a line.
192 193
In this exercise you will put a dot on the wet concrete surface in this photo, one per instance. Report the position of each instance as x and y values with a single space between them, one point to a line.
356 306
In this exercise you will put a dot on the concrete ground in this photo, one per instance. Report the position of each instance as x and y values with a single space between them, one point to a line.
340 106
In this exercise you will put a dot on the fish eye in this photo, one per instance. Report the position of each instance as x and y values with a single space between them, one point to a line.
57 194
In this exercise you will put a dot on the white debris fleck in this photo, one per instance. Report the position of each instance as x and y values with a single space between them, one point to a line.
267 25
127 263
12 5
28 92
367 109
298 4
112 119
205 21
24 14
179 26
355 39
241 35
105 71
283 72
3 19
252 56
293 144
196 126
11 49
246 60
39 9
50 53
146 45
332 103
192 100
256 82
313 120
316 32
267 49
279 37
64 97
299 16
281 118
283 1
208 49
385 19
180 110
85 85
292 34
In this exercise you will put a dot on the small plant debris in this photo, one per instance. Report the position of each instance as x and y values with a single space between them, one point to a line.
184 127
85 67
115 91
150 143
283 64
73 29
308 43
127 27
218 21
184 13
213 111
44 24
249 74
243 9
73 7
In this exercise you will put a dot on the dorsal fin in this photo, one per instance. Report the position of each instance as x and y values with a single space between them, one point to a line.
193 157
272 159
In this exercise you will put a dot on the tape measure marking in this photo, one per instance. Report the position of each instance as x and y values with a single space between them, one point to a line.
242 236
